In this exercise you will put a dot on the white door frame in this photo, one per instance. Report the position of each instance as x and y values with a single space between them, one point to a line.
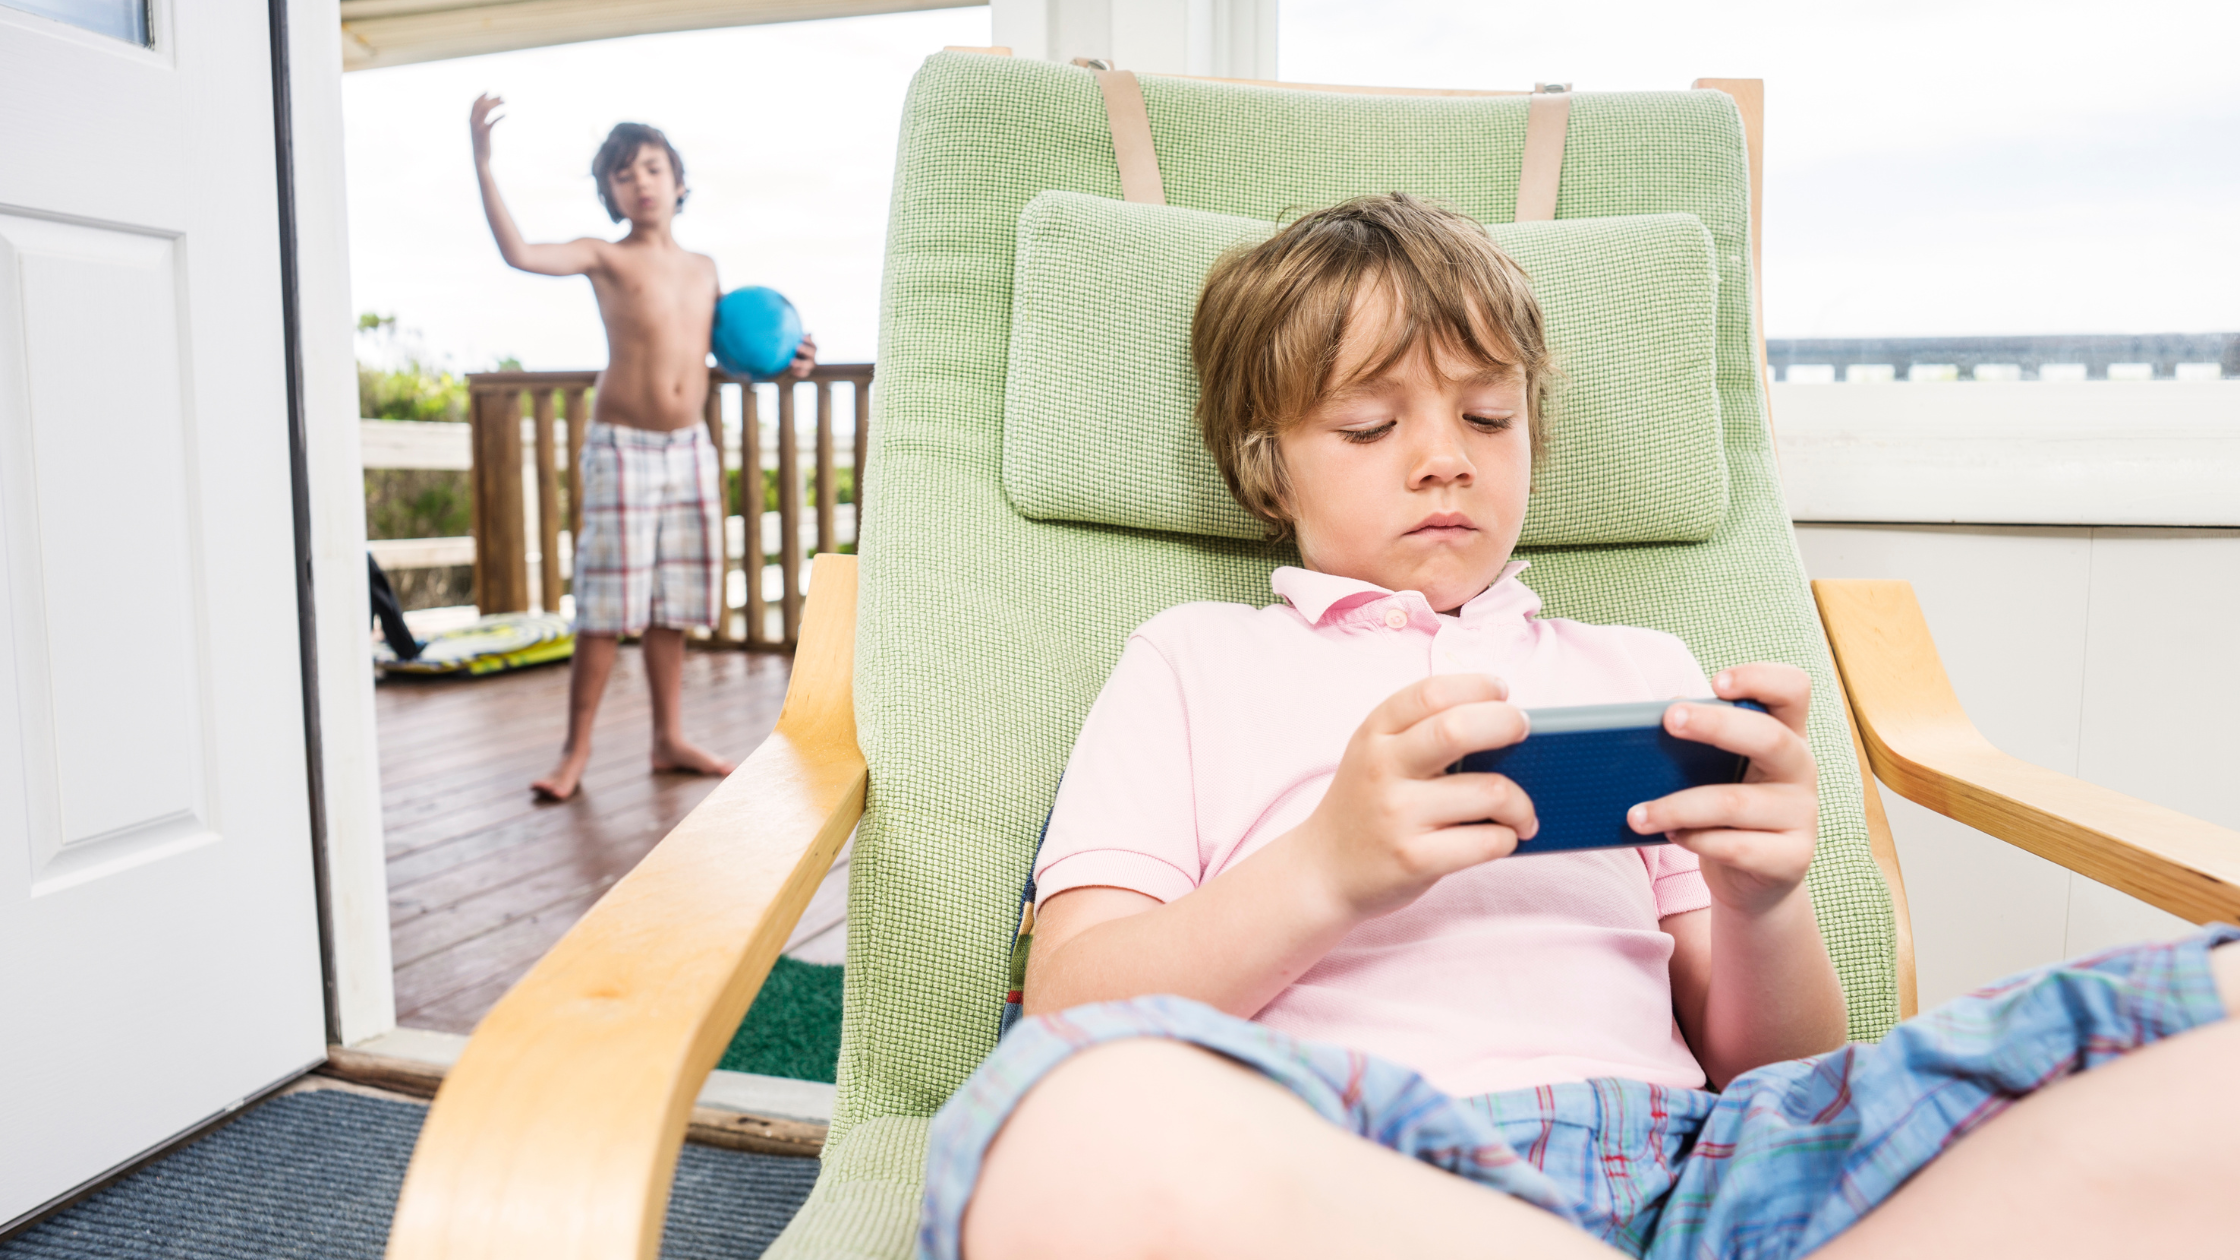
331 529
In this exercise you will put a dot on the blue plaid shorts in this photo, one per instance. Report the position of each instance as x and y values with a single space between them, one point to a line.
1784 1159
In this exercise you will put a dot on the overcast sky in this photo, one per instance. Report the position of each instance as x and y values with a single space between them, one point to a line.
1932 168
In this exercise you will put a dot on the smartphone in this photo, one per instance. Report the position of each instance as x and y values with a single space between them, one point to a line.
1586 765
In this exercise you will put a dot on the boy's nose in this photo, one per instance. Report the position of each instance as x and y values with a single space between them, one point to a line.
1441 458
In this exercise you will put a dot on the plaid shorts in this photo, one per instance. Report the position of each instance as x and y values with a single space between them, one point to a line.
651 548
1783 1160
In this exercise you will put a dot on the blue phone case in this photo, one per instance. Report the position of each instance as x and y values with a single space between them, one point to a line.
1585 766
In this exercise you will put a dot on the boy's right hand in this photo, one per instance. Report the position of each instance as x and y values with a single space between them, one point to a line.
1394 822
479 123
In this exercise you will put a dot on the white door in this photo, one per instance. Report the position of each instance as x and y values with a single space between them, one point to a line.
159 955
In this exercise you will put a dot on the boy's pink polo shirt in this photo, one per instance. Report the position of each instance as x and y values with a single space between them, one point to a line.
1219 731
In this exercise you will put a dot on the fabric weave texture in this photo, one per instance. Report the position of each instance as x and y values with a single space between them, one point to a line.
983 636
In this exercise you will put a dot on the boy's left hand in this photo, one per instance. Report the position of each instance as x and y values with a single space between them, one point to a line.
804 358
1755 837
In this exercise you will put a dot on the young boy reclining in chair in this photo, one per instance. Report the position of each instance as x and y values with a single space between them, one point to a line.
1293 994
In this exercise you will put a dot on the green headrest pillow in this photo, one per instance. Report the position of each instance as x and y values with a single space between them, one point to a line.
1098 424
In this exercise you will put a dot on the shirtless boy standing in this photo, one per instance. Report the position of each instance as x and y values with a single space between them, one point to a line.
649 558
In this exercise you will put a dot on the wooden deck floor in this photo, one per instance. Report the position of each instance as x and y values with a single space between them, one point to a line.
482 878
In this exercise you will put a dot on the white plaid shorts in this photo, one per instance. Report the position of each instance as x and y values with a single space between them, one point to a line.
651 548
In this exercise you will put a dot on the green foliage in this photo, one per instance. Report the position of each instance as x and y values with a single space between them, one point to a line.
417 503
412 392
843 491
422 503
409 389
843 487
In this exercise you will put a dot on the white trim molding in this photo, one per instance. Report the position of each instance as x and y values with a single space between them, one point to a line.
357 878
2161 453
378 33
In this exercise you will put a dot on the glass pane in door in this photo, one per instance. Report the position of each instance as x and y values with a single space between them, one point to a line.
125 19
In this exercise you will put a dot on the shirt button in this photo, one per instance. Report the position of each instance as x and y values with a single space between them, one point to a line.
1395 618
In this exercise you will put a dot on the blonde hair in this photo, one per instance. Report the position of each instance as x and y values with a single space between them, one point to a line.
1272 316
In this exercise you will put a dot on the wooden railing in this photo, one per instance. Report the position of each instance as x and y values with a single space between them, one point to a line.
559 405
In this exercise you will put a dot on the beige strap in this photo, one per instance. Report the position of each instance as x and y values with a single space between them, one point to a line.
1131 137
1547 119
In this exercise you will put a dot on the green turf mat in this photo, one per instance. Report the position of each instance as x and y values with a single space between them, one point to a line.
793 1028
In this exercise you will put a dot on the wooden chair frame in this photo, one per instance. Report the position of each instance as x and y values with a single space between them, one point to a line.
557 1133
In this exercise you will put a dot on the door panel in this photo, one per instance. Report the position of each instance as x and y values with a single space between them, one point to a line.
159 954
99 495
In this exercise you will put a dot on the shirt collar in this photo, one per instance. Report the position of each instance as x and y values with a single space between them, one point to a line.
1321 597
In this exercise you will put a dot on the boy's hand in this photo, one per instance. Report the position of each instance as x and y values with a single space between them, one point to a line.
1755 837
480 122
804 358
1394 822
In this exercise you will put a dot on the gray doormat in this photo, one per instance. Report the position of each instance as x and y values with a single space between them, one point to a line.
316 1175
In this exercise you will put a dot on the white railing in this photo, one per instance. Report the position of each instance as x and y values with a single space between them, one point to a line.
746 424
519 467
418 444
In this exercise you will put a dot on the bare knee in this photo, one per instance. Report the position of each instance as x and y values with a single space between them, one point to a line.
1126 1149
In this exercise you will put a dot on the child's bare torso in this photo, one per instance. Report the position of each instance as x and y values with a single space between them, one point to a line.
659 305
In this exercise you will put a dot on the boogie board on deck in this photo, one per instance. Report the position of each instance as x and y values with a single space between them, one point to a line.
498 642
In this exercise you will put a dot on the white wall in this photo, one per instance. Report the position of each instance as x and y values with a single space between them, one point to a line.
2105 653
2076 639
2025 452
1227 39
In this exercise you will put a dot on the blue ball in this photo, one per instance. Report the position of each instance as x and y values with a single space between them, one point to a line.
756 332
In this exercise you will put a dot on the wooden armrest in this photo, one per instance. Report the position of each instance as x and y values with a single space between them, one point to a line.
1922 744
557 1133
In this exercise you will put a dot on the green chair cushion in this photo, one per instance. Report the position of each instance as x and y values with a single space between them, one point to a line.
865 1204
1098 403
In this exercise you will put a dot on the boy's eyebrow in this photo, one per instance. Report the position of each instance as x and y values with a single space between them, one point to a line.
1490 374
1379 384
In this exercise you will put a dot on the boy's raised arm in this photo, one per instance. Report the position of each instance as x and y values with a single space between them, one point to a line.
573 258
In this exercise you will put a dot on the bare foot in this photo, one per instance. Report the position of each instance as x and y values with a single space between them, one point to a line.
561 783
683 757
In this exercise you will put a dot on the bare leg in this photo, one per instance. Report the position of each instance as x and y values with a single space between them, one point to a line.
1154 1148
2133 1158
587 684
663 649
